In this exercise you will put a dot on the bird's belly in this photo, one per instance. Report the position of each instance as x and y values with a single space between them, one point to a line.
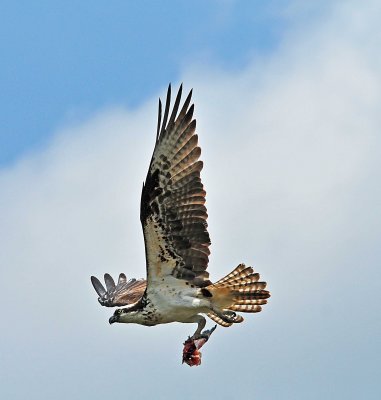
177 305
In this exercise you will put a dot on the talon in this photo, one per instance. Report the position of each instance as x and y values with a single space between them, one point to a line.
199 336
204 334
192 346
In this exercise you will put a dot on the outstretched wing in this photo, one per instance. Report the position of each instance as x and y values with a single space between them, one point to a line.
123 293
173 212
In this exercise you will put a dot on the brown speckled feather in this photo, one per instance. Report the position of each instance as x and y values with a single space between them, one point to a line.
173 213
247 293
125 292
219 320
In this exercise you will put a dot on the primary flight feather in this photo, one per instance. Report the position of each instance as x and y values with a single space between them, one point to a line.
173 217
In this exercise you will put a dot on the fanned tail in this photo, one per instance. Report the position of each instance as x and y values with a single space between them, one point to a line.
241 291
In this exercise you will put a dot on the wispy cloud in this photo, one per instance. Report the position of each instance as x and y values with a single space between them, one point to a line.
291 147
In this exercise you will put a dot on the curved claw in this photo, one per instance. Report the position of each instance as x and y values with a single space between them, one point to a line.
204 334
192 346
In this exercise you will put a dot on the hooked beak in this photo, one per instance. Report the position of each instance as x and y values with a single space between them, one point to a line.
113 319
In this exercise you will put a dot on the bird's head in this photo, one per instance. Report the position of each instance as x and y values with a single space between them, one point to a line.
123 315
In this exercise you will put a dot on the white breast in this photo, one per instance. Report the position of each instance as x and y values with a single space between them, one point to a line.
174 300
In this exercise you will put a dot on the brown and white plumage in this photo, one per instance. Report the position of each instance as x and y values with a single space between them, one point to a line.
120 294
172 203
174 221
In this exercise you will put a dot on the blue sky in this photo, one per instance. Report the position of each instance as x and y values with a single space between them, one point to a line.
62 61
287 98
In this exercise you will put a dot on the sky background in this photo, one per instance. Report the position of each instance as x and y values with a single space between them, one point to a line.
287 100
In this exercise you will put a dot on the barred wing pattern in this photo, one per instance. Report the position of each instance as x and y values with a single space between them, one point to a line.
125 292
173 212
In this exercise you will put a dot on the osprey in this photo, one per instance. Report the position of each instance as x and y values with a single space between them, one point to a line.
173 217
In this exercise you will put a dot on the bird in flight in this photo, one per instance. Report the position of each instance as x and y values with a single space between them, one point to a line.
174 220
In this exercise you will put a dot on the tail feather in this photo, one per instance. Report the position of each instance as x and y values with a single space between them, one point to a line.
219 320
248 287
239 301
227 318
240 290
240 271
249 308
241 280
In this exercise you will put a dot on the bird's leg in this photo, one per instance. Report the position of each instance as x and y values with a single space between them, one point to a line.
192 346
201 321
226 315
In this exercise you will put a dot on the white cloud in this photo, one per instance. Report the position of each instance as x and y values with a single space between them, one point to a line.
292 169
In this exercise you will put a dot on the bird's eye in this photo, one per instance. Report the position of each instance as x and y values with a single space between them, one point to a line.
118 312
